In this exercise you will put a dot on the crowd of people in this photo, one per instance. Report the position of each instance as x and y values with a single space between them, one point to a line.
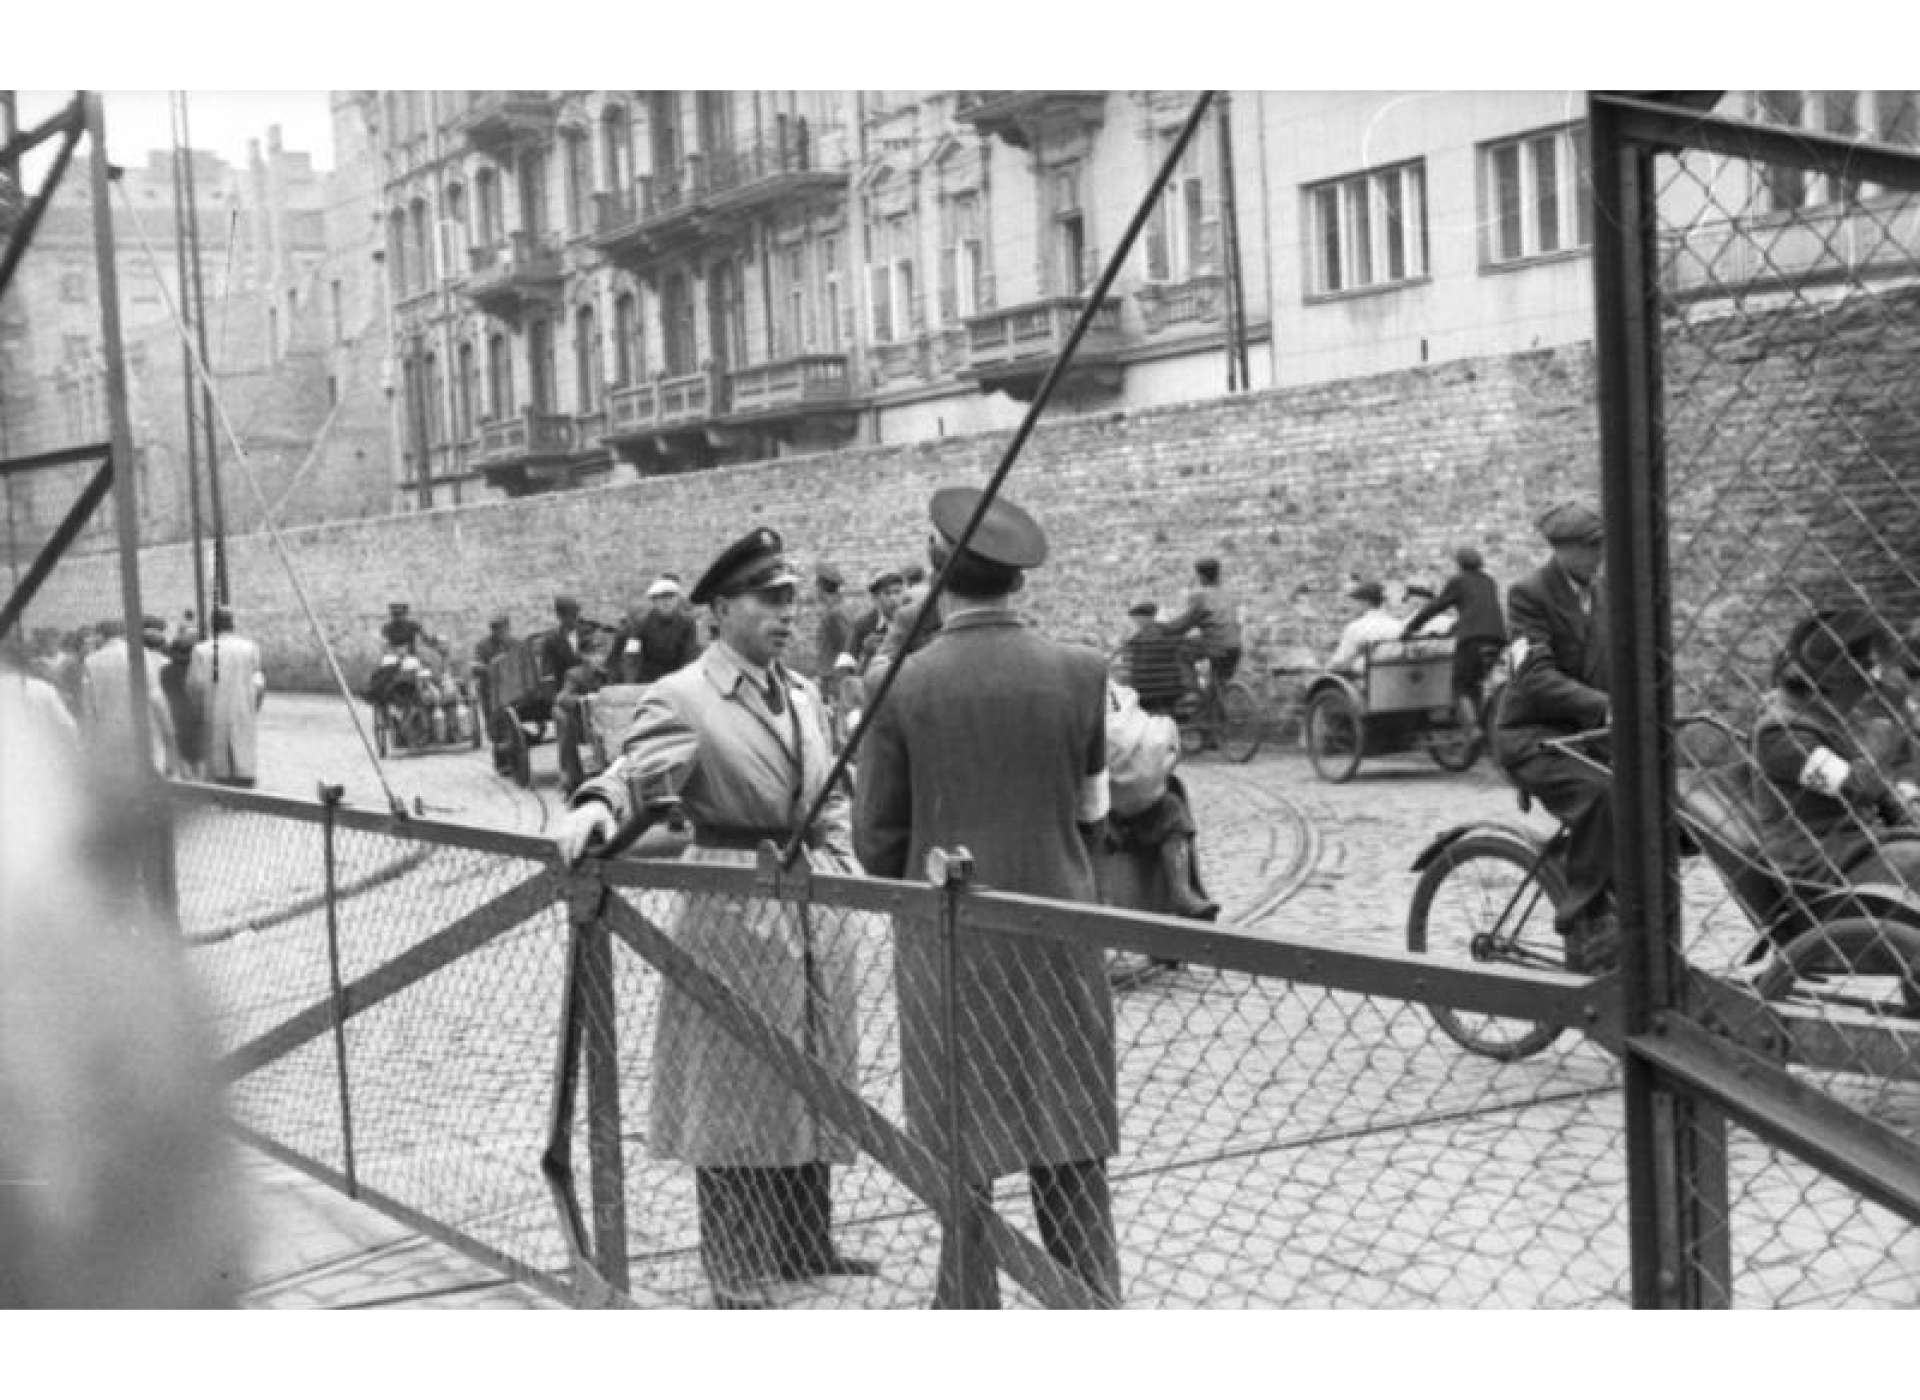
203 695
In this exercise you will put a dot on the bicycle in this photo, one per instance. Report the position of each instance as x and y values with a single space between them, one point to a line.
1224 717
1488 891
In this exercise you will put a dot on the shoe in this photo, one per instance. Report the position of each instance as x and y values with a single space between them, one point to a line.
1188 905
1593 945
835 1265
739 1297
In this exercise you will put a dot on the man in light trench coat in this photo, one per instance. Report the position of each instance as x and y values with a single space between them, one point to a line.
994 738
742 743
227 685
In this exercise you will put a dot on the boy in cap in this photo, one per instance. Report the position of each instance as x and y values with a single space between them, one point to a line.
1557 619
739 743
1375 624
994 738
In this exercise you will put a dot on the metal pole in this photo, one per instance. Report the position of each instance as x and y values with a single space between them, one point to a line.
221 589
606 1163
1230 251
973 1281
1676 1164
330 795
202 619
126 507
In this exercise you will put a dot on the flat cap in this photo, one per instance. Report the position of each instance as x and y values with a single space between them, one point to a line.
663 587
565 603
396 607
1368 592
499 620
886 578
1143 610
1007 536
829 577
755 561
1572 522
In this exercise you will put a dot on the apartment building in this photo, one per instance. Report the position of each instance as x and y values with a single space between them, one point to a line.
590 282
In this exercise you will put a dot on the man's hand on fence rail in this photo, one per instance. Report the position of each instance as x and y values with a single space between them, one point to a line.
585 828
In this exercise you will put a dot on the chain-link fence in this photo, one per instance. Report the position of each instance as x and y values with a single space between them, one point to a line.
1759 442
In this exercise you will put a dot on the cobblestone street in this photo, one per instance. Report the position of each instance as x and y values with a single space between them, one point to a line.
1284 1147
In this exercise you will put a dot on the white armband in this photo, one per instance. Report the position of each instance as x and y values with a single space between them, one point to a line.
1824 772
1093 798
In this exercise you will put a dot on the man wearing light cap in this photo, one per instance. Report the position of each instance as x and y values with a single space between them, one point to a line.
1375 624
994 738
658 642
1557 620
740 745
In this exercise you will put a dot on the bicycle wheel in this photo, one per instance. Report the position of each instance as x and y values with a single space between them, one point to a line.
1240 722
1489 898
1335 733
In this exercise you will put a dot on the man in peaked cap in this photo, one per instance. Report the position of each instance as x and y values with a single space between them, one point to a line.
1557 623
740 745
994 738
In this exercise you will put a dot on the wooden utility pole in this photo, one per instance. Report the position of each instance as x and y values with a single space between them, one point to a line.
181 155
221 590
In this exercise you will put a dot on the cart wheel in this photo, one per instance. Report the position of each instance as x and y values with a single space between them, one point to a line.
1857 946
1335 728
1240 722
1455 748
382 725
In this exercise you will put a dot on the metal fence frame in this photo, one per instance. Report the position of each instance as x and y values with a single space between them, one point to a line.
1685 1079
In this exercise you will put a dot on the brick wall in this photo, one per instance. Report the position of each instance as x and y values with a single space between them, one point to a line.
1298 491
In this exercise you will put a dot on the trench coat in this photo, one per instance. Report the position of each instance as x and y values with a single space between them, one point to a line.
706 734
106 716
227 687
988 740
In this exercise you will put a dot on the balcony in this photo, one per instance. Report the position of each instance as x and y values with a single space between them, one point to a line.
804 384
1012 349
1200 300
657 214
665 404
499 121
521 268
742 181
1020 118
530 452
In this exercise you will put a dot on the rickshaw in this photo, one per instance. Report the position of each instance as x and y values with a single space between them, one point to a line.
520 700
415 709
1400 701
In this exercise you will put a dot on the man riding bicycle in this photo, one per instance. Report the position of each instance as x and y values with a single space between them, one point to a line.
1211 612
1557 620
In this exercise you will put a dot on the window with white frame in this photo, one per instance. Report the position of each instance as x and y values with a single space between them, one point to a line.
1368 230
1067 231
832 299
890 284
1183 236
792 331
962 257
1533 194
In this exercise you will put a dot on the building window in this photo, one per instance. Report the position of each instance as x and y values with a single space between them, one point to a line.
1369 230
337 311
629 357
533 193
726 307
616 145
1183 237
1534 191
540 365
486 200
896 315
397 253
1892 118
463 389
793 329
676 324
499 377
1067 232
586 360
579 174
420 254
832 299
963 264
432 415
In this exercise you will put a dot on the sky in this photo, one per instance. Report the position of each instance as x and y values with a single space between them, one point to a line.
222 121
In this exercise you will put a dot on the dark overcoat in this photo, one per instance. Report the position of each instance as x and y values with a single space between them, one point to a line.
1559 651
988 740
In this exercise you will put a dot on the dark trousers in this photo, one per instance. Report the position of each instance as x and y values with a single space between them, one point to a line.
1073 1205
1582 797
759 1223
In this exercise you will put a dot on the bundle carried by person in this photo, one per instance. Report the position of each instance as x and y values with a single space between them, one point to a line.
1142 749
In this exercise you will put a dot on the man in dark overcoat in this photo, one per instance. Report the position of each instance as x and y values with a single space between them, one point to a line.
740 743
1557 620
994 738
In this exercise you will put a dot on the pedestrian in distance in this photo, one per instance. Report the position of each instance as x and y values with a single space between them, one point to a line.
662 639
106 706
740 745
834 634
1214 614
228 688
885 590
1479 631
994 739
